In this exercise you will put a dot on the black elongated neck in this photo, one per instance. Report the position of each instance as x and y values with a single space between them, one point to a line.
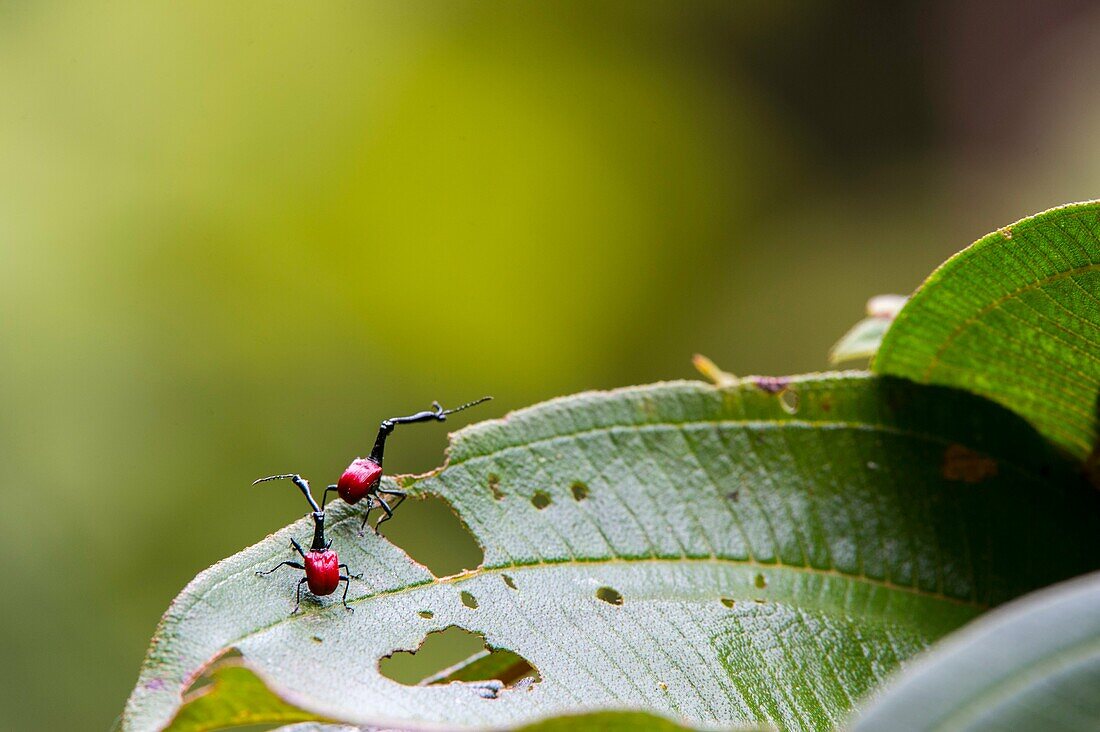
380 442
319 544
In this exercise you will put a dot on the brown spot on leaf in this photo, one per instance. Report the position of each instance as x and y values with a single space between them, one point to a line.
963 464
494 486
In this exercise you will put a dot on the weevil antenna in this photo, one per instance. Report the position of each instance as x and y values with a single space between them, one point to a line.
302 483
467 405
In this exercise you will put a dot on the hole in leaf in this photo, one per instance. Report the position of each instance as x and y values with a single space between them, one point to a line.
430 532
760 581
456 654
727 602
469 600
540 500
609 595
580 491
494 486
788 400
508 581
317 639
205 680
426 614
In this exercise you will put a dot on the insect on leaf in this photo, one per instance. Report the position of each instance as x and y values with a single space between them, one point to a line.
715 556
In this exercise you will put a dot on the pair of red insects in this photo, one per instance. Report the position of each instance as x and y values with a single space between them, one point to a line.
362 479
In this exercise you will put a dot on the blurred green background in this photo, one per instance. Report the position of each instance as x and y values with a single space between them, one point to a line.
234 236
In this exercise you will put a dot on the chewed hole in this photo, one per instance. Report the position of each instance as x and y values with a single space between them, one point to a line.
789 400
540 500
317 639
456 654
469 600
727 602
494 486
760 581
430 532
609 595
580 491
426 614
508 581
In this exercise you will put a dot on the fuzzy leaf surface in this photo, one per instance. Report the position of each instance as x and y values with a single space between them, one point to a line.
773 559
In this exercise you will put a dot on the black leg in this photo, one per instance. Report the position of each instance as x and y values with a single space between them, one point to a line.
402 495
296 565
366 514
348 570
298 596
298 548
388 511
324 496
347 584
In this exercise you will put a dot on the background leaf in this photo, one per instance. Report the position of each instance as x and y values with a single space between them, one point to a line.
777 547
864 338
1016 318
1032 665
232 696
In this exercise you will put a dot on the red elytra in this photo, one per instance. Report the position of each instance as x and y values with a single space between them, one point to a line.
322 572
360 479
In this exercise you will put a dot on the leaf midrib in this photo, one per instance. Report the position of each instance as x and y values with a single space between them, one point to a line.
756 564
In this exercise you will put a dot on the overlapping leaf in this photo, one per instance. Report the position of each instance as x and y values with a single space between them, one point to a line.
1032 665
778 548
1016 318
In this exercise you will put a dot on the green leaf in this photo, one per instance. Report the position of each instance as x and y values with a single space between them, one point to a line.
232 696
1016 318
767 552
1031 665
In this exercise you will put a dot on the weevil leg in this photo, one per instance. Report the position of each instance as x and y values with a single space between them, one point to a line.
298 596
324 496
347 583
296 565
388 511
366 514
401 496
298 548
347 569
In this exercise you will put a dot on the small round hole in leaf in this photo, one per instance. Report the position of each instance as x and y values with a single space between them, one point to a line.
426 614
494 486
580 491
610 595
789 400
469 600
727 602
540 500
508 581
760 581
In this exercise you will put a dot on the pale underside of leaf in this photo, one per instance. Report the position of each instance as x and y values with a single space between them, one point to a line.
1016 318
772 566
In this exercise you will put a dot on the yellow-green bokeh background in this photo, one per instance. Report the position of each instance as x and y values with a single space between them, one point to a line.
233 236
